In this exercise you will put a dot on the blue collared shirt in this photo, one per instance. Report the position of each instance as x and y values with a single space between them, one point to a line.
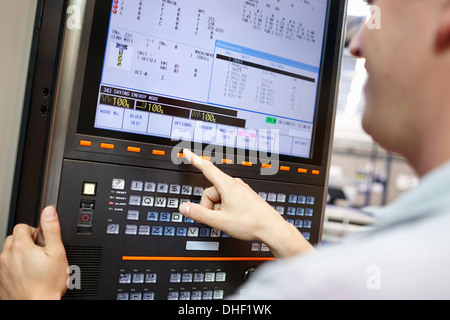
406 256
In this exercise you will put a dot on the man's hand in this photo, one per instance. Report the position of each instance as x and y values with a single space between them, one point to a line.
28 271
232 206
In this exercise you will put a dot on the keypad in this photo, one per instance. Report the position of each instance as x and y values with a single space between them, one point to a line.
152 210
138 285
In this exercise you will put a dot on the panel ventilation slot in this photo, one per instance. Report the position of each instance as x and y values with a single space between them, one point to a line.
88 259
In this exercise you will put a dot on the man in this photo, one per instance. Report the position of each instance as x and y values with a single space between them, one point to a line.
406 255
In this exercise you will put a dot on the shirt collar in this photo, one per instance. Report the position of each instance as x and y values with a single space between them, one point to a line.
430 197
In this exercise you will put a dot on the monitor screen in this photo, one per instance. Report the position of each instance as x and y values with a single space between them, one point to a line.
238 73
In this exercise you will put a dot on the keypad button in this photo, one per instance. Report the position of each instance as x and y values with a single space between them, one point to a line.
177 217
210 276
138 278
205 232
186 190
169 231
137 185
152 216
196 295
175 277
272 197
133 215
185 295
301 199
165 216
256 246
221 276
162 188
207 295
198 191
157 231
175 189
298 223
131 229
122 296
150 278
118 184
192 232
173 295
281 197
199 277
134 200
187 277
160 202
136 296
125 278
144 230
291 211
148 201
172 203
292 198
310 200
181 231
112 229
150 187
280 209
148 296
218 295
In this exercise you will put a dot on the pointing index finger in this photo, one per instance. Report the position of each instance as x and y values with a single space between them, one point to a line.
210 171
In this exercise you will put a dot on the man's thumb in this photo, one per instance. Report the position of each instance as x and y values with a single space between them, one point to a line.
50 228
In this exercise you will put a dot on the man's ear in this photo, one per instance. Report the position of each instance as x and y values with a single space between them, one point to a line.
443 35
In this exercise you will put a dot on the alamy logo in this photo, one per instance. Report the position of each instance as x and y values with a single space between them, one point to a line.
74 19
373 20
374 280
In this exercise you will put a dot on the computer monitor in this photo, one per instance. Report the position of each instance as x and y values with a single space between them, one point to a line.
249 84
248 75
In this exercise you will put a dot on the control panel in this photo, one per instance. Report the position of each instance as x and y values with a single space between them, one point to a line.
122 228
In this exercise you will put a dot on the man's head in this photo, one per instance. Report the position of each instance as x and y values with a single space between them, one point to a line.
408 88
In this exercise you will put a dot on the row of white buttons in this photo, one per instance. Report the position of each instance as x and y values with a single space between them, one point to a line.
159 202
198 277
137 278
196 295
281 197
119 184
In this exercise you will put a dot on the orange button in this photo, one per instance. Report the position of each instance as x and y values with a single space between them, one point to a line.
227 161
85 143
316 172
266 166
180 155
206 158
284 168
159 152
134 149
107 146
301 170
247 164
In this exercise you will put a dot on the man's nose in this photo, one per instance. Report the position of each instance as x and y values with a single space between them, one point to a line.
356 44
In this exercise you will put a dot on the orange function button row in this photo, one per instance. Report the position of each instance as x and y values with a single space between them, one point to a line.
85 143
108 146
159 152
134 149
